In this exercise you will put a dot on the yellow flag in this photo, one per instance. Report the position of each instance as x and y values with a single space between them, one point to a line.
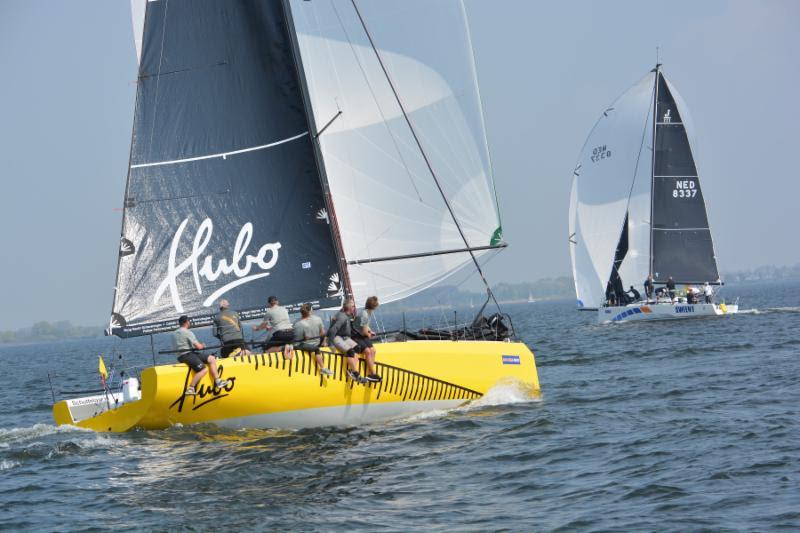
101 367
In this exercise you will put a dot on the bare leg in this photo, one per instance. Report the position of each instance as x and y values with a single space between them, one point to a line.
320 361
352 362
288 352
212 364
198 376
369 354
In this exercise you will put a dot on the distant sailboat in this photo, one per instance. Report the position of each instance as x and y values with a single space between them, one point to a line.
531 299
636 211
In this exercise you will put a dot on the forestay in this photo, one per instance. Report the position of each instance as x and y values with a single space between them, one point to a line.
224 196
612 176
385 199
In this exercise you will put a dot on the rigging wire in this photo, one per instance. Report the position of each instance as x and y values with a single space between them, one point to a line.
424 154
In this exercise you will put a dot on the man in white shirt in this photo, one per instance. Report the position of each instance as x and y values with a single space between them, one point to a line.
708 291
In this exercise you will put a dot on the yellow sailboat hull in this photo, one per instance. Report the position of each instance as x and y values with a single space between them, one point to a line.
265 390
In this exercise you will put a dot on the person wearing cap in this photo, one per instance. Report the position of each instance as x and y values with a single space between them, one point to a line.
276 320
188 348
228 329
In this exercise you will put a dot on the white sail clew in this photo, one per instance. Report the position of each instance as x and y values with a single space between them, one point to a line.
612 178
385 200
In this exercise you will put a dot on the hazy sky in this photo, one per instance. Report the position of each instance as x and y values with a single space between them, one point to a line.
546 70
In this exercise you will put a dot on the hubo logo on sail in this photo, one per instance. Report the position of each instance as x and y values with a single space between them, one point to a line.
240 267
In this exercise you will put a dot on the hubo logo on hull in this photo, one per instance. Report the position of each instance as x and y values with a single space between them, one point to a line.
202 266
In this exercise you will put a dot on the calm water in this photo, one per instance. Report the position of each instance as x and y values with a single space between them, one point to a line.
682 425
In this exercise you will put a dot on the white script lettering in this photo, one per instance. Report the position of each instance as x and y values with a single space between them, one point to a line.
240 265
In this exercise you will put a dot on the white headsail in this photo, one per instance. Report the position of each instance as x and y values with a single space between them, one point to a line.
612 180
386 202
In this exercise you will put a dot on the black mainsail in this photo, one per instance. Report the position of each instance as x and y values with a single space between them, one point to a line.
224 197
681 239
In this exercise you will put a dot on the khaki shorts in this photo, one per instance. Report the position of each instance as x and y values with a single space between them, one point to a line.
344 345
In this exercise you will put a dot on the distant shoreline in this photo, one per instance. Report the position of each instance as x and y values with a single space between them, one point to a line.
434 299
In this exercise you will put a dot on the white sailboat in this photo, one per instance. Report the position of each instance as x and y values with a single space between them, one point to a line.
637 210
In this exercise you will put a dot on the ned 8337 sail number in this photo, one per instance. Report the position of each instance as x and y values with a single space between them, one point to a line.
684 189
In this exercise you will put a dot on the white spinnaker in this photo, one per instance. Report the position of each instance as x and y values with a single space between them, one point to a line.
610 164
138 8
385 199
636 265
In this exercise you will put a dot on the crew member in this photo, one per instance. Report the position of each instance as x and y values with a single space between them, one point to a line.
188 347
308 335
634 294
649 287
611 299
693 295
228 329
671 288
276 320
708 292
362 334
339 335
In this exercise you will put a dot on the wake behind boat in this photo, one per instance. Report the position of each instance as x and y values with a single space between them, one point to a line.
638 216
274 154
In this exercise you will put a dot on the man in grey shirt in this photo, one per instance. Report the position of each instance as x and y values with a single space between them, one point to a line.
188 347
228 329
362 334
276 320
339 335
308 335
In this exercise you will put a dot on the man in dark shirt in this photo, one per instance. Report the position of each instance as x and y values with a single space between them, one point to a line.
228 329
635 296
671 288
649 286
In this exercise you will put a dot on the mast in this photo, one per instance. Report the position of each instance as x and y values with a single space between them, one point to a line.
657 72
314 133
